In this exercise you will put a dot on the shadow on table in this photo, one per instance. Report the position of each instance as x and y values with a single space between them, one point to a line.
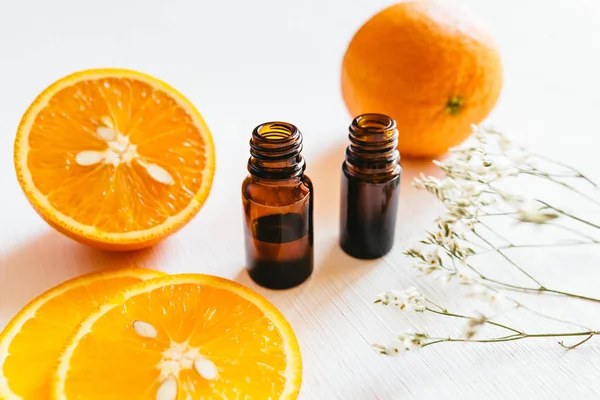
50 259
335 273
413 168
325 172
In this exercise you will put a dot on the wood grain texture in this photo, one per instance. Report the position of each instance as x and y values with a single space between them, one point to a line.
243 63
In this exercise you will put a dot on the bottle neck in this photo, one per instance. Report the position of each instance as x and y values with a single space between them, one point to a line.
275 149
373 152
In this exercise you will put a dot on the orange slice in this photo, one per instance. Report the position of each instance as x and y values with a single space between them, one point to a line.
114 158
182 337
32 342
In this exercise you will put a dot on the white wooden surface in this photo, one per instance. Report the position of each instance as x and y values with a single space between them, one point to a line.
244 62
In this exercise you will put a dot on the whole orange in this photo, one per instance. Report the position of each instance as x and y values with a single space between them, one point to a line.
431 66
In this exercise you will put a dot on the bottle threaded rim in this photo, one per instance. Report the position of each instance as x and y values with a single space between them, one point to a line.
373 128
373 146
275 151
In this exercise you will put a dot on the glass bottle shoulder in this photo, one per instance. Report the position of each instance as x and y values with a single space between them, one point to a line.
276 193
369 176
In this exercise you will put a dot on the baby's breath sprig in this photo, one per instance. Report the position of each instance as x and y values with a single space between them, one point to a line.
472 192
411 340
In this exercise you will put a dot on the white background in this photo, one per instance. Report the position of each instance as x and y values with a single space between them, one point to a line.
244 62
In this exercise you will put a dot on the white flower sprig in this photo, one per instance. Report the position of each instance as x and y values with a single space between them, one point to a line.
405 341
471 192
411 340
410 298
468 192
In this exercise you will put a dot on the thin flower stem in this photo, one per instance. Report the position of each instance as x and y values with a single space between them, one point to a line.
500 214
563 184
454 263
529 289
506 196
433 342
573 295
566 214
565 228
539 245
436 305
565 243
579 173
500 283
576 344
571 230
565 175
541 314
494 248
448 314
513 337
542 290
501 237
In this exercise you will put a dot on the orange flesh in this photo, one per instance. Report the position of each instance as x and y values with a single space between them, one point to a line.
33 352
114 361
125 197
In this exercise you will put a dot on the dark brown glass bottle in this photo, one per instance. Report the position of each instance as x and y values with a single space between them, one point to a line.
370 187
278 208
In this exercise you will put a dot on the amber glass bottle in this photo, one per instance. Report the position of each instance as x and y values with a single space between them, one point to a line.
278 207
370 187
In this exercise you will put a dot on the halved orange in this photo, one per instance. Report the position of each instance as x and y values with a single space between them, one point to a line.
182 337
32 342
114 158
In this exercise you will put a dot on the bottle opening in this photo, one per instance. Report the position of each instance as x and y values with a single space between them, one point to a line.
275 151
276 131
373 124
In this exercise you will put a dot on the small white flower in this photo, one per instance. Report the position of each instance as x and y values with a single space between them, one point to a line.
411 340
421 266
530 211
439 235
428 269
393 297
463 201
433 258
393 349
485 293
449 243
447 219
448 184
414 299
458 212
503 143
477 321
520 158
488 200
414 252
382 298
471 188
466 280
469 224
444 275
405 341
474 324
409 298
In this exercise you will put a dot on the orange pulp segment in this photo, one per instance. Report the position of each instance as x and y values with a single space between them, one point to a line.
114 158
186 336
32 342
